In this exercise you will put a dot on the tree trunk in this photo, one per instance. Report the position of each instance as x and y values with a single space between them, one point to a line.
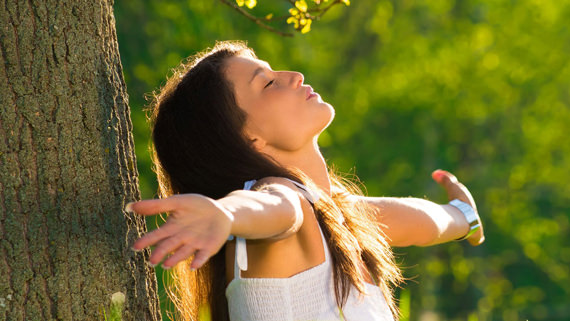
67 167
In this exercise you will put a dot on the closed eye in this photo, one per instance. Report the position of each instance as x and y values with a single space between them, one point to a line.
269 83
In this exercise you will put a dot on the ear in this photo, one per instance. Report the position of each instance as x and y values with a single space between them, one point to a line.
254 138
258 143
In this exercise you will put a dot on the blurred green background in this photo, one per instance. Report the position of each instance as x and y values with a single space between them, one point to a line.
480 88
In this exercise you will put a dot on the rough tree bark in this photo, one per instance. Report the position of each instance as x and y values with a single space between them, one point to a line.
67 167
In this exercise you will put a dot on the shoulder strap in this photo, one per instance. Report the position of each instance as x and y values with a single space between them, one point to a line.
310 195
240 261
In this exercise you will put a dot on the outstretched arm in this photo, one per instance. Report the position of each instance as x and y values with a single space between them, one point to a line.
200 225
414 221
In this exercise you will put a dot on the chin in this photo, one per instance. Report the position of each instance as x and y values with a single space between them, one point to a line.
325 124
330 116
323 117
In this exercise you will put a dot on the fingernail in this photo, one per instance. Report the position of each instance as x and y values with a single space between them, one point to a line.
164 267
192 269
129 207
151 265
136 250
437 174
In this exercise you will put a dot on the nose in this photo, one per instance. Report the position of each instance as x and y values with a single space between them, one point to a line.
297 79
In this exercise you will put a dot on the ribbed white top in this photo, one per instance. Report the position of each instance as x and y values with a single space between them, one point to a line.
308 295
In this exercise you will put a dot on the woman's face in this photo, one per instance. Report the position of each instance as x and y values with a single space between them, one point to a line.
282 112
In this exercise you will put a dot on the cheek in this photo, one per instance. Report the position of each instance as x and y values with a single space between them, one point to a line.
286 119
264 119
281 126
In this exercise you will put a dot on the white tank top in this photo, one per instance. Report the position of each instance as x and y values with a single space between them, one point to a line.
308 295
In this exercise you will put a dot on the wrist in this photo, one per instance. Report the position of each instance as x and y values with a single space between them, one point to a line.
227 215
470 216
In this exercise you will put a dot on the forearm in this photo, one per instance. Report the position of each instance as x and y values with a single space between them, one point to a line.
414 221
271 213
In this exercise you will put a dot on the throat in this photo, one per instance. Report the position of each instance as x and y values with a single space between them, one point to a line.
310 161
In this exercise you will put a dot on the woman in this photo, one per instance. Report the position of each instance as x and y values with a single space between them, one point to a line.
236 155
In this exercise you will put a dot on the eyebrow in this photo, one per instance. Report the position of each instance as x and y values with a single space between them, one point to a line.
259 70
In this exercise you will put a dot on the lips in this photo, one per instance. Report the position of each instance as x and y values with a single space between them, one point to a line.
310 93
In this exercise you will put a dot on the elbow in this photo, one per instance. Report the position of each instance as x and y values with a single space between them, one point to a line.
290 215
293 217
287 212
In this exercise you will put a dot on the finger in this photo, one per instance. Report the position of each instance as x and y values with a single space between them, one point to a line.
478 237
200 257
164 247
181 254
444 178
477 240
452 186
152 207
155 236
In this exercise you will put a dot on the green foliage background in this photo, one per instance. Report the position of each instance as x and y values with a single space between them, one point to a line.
480 88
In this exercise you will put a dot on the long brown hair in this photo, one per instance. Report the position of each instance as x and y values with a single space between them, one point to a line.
199 146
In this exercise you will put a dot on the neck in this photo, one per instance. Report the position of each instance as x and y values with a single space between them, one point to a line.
309 160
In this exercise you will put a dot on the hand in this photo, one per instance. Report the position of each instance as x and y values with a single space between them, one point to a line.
456 190
197 225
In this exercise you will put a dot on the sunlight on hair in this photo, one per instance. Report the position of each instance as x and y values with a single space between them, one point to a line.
348 224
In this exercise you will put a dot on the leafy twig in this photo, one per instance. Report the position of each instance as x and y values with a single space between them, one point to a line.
258 21
301 16
325 9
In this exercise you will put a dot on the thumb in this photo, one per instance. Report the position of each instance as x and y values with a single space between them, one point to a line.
456 190
451 185
444 178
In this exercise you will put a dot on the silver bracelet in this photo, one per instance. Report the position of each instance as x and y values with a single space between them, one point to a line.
470 215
